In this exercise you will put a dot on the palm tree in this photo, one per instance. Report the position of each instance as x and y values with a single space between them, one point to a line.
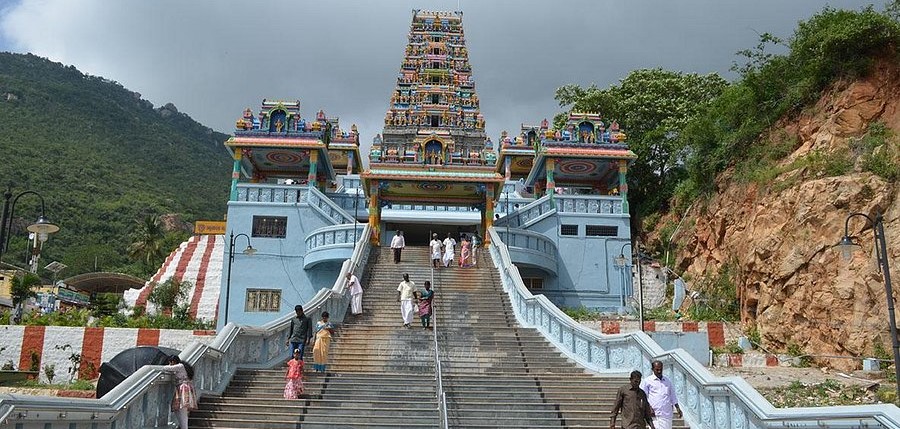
148 241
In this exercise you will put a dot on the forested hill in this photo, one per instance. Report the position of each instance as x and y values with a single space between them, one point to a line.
103 159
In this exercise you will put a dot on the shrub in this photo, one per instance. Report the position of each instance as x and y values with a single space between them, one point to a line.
50 372
581 313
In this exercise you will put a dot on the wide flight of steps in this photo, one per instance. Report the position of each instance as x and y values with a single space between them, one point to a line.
496 374
500 375
380 374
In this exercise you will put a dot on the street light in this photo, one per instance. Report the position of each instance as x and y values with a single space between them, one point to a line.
42 227
620 262
847 244
249 251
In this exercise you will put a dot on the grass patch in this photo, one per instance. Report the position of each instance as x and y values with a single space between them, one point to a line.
825 394
75 385
582 313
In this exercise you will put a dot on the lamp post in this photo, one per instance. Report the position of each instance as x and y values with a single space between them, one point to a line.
847 245
42 227
620 262
248 251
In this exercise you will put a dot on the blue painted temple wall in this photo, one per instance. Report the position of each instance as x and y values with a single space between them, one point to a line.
277 264
586 274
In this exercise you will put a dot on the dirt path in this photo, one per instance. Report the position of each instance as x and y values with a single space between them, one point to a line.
780 376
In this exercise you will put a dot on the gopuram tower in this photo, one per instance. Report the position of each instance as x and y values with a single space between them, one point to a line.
433 148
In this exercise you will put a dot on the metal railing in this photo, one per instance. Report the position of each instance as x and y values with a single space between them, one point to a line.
708 401
143 399
438 371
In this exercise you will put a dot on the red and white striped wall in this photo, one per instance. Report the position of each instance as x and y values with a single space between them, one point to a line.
199 261
715 330
53 345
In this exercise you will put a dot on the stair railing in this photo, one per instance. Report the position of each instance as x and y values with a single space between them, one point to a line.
438 372
707 400
143 399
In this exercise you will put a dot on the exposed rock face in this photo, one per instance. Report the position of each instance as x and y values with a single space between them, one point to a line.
792 285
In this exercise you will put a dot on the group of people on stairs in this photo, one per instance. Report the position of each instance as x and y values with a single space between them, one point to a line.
413 301
301 332
651 402
444 252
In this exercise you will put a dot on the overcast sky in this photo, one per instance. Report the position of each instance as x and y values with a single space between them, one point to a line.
214 58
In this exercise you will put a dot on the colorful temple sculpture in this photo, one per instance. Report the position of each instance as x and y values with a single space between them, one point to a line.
433 148
300 195
284 164
576 198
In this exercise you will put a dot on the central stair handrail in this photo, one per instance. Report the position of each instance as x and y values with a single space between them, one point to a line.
707 400
438 372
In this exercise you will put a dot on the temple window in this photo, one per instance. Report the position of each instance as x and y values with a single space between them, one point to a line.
435 98
568 230
269 226
601 231
263 300
533 283
435 121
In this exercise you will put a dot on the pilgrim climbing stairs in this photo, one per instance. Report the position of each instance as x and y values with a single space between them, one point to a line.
496 374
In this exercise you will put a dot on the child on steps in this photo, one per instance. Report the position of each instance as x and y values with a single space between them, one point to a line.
294 387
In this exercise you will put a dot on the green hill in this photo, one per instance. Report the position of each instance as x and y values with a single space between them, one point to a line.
103 159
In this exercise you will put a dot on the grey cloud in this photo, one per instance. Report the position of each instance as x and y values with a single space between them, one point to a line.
214 58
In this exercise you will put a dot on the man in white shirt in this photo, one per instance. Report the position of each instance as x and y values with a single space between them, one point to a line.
405 295
661 396
435 248
355 294
397 244
449 250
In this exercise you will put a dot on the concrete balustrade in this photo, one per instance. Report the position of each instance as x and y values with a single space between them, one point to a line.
269 193
708 401
331 243
143 399
530 248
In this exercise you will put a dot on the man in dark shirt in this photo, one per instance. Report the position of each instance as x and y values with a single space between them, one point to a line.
632 402
300 332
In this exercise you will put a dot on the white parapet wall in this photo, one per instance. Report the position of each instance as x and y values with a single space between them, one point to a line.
56 345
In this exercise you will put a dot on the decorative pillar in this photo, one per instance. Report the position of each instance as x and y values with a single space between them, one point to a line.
374 213
313 176
235 174
507 162
551 184
487 220
623 184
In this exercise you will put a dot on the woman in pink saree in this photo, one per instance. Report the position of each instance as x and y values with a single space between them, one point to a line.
465 252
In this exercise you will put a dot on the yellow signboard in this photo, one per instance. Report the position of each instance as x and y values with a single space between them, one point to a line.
209 227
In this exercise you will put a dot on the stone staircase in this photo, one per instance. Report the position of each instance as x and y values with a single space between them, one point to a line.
380 374
496 374
500 375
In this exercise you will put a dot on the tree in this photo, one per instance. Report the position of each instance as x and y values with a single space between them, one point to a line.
653 105
147 246
23 287
166 295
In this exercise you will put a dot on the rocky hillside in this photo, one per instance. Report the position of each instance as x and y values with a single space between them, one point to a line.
772 225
